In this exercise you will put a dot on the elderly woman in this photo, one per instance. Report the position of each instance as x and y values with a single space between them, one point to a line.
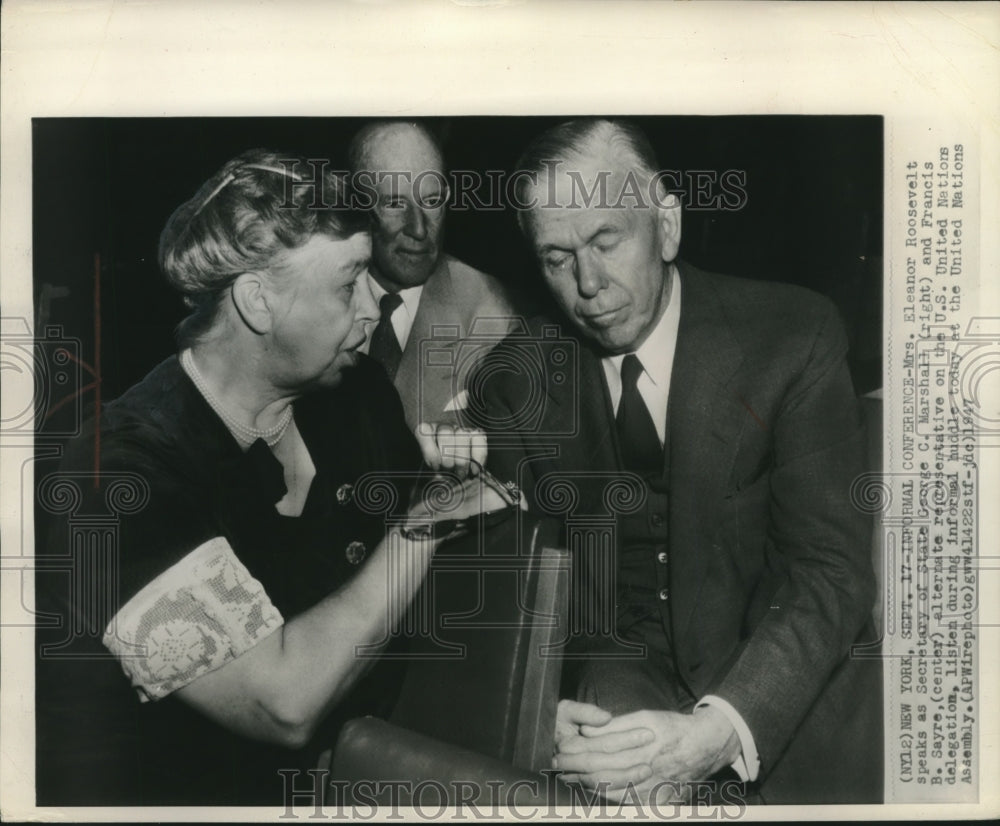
249 573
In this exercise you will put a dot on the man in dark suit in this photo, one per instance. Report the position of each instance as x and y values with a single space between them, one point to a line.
420 289
713 420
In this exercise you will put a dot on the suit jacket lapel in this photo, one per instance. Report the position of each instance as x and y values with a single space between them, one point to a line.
596 414
581 409
706 418
408 378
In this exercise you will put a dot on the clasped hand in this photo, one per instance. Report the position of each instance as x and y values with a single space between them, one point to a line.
641 750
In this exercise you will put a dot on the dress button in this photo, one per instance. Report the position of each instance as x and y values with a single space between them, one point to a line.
661 557
345 493
657 519
355 552
664 594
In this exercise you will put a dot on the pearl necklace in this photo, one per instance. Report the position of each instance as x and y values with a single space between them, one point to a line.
243 432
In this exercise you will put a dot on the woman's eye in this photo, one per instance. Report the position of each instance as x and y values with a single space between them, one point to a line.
556 262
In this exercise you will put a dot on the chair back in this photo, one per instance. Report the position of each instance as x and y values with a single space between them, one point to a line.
486 636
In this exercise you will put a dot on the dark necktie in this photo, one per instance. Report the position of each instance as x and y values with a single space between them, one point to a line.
641 450
384 346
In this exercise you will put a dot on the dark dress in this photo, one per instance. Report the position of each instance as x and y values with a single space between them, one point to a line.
171 478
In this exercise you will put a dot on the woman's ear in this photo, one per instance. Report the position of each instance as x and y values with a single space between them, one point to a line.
252 301
668 219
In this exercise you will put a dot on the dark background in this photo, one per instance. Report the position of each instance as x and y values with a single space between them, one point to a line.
106 186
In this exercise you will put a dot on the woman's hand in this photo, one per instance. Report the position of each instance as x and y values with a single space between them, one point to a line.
446 497
462 488
460 450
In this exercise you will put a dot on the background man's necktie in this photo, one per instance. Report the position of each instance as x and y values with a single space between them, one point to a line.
641 450
384 346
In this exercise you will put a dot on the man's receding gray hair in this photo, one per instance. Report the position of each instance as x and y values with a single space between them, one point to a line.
578 137
358 147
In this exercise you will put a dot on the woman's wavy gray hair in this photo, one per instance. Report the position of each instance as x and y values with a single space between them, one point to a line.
259 205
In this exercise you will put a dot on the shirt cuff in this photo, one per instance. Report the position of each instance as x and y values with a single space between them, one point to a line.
747 765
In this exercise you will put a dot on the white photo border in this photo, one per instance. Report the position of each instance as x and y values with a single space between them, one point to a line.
923 66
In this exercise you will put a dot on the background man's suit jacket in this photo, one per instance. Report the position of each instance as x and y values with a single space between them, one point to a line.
770 571
441 347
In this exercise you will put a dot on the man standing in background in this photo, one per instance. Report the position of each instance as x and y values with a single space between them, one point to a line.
418 287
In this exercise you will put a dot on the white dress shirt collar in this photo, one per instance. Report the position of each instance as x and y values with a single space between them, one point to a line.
402 318
657 356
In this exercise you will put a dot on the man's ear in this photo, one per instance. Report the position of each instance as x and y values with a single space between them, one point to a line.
668 218
253 302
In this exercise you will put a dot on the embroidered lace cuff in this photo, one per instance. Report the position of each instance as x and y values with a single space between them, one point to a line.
193 618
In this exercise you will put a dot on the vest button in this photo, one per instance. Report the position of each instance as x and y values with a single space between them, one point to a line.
661 557
663 594
657 519
355 552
